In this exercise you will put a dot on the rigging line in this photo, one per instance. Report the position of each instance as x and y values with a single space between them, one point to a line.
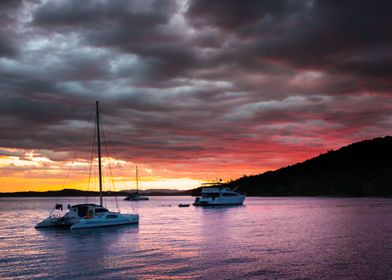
109 147
122 176
108 160
76 152
113 184
94 182
74 157
108 137
91 162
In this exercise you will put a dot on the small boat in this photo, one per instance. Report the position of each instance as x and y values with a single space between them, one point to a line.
219 196
89 215
136 196
183 205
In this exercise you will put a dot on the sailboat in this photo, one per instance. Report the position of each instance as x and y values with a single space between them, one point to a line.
136 196
82 216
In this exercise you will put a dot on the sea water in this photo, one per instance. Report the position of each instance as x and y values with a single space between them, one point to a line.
267 238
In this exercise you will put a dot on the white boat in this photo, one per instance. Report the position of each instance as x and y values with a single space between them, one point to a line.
136 196
75 213
106 219
89 215
218 197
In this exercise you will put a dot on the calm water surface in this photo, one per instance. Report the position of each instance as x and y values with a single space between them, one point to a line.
267 238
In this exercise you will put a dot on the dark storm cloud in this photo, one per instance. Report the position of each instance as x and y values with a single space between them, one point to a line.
348 36
231 14
6 48
195 80
77 14
8 13
137 27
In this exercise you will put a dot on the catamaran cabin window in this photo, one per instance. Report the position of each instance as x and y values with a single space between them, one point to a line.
101 210
82 210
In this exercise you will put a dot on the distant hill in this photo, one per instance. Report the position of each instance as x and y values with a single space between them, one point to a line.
163 192
360 169
65 192
160 191
72 192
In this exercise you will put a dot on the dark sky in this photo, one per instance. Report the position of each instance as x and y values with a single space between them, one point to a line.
201 87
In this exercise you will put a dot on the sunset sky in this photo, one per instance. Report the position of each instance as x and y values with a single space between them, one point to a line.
190 91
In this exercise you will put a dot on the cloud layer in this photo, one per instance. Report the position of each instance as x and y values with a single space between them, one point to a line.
197 88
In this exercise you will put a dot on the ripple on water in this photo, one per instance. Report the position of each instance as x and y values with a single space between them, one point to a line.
269 238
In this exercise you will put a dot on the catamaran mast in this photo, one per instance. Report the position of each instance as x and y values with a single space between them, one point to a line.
99 159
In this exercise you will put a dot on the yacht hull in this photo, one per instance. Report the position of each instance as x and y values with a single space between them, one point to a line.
217 204
220 201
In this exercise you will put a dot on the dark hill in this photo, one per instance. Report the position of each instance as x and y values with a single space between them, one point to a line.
360 169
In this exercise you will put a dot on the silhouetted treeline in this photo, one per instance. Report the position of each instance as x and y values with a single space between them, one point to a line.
360 169
65 192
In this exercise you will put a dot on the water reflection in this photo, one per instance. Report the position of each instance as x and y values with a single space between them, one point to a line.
115 230
268 238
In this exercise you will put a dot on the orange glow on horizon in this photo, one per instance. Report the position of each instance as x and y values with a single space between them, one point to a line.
34 172
43 170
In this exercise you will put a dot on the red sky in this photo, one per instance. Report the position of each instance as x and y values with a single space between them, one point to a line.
190 91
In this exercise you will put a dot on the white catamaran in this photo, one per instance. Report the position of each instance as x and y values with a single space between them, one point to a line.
82 216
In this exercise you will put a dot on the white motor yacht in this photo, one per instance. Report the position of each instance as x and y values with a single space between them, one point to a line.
219 196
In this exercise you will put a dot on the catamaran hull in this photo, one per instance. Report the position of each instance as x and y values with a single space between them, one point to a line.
49 222
96 223
59 222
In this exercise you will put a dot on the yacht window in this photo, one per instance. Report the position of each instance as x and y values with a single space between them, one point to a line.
101 210
206 195
230 194
111 216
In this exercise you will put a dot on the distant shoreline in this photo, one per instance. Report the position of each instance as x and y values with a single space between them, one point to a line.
80 193
77 193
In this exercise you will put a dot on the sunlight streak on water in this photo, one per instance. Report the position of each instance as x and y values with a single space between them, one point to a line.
268 238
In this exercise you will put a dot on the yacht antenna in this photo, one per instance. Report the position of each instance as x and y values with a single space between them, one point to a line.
99 159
